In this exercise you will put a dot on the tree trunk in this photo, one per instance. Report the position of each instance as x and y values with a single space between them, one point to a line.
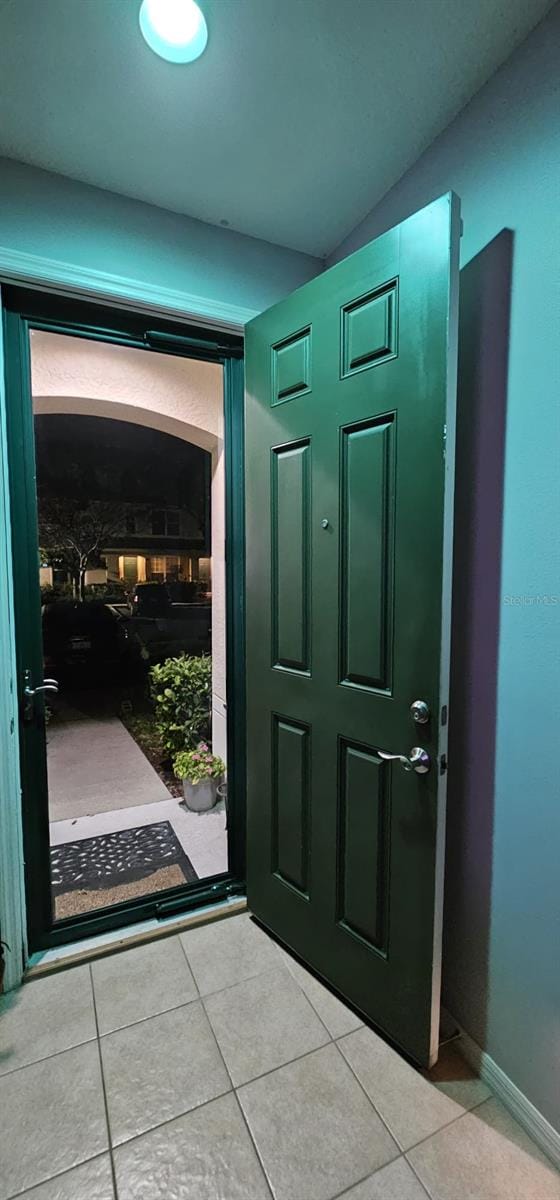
82 577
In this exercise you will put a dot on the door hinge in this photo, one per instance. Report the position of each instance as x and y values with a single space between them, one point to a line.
443 764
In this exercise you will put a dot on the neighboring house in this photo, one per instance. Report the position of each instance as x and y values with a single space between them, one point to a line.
154 491
160 544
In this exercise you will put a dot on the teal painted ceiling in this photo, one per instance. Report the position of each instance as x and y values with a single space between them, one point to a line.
296 120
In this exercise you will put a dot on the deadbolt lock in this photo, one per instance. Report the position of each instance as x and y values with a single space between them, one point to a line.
420 712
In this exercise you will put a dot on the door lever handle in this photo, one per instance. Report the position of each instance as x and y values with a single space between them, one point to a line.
418 760
48 685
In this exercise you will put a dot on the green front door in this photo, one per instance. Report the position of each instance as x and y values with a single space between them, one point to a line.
350 391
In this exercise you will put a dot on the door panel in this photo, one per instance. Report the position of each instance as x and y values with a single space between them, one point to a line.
367 552
363 843
291 803
350 386
290 556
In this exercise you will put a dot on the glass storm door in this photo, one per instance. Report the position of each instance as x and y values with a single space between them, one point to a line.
119 515
350 391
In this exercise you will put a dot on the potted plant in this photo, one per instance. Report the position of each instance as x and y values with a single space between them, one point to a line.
201 773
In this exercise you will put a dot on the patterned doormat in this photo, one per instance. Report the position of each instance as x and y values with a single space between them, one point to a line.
98 871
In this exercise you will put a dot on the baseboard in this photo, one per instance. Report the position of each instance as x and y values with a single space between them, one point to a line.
542 1132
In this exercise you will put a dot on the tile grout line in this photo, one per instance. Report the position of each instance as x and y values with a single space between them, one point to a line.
141 1020
118 1029
405 1152
447 1125
108 1033
35 1062
253 1143
168 1121
315 1009
420 1181
103 1085
272 971
393 1136
347 1191
53 1178
99 1036
233 1089
332 1041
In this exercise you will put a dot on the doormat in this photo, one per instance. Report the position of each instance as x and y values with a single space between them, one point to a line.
112 860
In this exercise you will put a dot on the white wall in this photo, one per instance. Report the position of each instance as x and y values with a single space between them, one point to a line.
179 396
94 230
502 916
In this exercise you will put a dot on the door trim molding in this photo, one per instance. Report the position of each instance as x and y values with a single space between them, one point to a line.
448 450
13 923
16 266
518 1104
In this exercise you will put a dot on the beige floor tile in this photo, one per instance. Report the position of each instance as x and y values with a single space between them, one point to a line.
485 1156
314 1128
411 1105
160 1068
205 1155
52 1117
140 983
227 952
46 1016
263 1023
334 1014
397 1181
92 1181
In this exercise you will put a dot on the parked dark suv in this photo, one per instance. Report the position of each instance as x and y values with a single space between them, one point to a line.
86 637
161 627
150 600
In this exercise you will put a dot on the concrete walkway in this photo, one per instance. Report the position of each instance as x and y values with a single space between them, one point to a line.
95 766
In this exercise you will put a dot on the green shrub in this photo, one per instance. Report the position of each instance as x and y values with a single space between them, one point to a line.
181 689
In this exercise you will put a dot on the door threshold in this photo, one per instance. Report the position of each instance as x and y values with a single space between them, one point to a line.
46 962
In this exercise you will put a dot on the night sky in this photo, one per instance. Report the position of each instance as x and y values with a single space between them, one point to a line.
96 458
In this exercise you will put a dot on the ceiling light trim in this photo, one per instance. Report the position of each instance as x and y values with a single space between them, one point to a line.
175 30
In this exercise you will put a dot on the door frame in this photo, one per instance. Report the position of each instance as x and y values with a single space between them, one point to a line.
125 320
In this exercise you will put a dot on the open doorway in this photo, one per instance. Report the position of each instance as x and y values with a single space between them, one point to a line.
131 543
127 740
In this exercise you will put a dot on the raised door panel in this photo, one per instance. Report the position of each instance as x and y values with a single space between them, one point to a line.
291 802
290 575
363 843
367 553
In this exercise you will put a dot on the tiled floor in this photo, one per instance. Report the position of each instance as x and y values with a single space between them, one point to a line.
210 1066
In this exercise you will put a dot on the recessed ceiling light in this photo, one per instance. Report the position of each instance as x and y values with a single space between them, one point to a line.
174 29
